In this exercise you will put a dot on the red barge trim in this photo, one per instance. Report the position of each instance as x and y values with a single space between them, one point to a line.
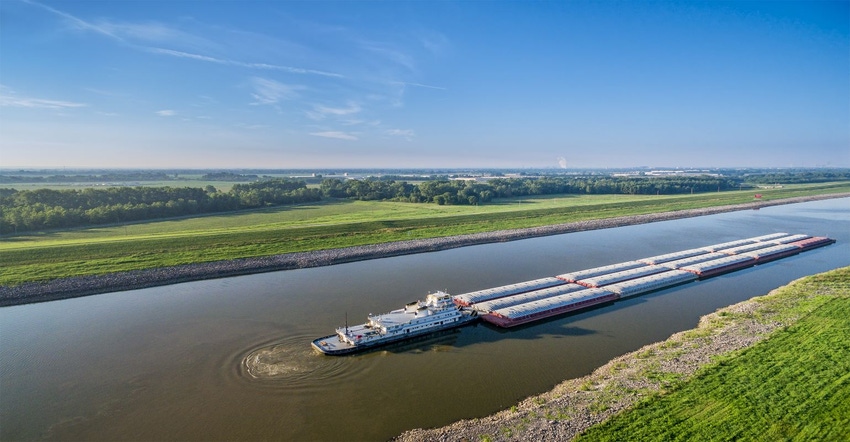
506 322
813 243
773 253
720 266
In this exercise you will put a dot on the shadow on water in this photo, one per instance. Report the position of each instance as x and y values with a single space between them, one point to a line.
478 332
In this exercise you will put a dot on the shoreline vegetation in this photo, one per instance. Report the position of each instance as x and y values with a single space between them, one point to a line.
773 367
76 286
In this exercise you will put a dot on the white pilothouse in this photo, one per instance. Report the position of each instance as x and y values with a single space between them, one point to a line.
437 312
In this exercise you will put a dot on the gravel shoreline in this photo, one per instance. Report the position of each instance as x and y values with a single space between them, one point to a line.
97 284
575 405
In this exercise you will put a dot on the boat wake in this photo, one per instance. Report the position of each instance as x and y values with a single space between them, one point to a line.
294 361
272 362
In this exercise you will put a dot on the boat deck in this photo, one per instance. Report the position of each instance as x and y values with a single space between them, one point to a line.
332 345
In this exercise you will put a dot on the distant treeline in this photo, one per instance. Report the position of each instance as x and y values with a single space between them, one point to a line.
460 192
33 210
799 177
87 178
228 176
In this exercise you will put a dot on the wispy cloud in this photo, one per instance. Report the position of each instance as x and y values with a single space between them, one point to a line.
408 134
434 42
320 112
42 103
224 61
401 132
427 86
352 108
181 54
124 31
106 93
166 113
140 35
335 134
75 22
268 91
150 31
251 126
390 53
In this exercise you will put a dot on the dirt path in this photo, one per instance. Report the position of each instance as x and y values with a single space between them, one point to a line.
90 285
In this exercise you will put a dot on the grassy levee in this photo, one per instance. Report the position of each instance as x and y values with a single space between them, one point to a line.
328 225
793 386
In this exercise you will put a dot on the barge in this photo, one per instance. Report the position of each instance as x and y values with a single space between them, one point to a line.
522 298
720 266
651 283
625 275
546 308
521 303
813 243
468 299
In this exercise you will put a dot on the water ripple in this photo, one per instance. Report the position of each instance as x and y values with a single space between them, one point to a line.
292 362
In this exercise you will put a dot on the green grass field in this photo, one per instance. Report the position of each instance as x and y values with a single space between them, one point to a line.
325 225
793 386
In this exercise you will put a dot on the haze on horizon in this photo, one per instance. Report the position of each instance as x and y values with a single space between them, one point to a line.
281 85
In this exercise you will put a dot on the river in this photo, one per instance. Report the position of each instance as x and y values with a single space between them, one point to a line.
230 358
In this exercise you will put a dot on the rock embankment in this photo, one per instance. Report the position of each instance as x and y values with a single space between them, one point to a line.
89 285
577 404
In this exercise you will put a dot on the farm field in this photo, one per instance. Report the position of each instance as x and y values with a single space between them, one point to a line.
793 386
325 225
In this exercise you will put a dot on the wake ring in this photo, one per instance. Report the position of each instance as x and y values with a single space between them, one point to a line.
296 362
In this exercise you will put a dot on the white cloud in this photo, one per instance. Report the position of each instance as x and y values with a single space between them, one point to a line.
157 33
352 108
77 22
166 113
408 134
391 53
251 126
242 64
182 54
434 42
427 86
319 112
15 101
151 31
271 92
334 134
401 132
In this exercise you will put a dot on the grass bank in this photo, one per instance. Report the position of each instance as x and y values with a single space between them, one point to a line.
771 368
97 251
794 386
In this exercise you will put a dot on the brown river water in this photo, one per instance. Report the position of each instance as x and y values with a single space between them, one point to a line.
231 358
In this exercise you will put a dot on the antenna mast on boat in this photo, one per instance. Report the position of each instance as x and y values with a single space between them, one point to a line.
346 322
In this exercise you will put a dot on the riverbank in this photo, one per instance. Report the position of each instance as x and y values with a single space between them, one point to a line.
130 280
575 405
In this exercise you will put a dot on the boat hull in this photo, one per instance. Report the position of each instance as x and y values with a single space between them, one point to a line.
505 322
332 346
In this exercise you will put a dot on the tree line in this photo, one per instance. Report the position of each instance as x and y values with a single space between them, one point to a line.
461 192
799 177
33 210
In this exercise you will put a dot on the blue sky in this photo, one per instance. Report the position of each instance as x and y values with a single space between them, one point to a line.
277 84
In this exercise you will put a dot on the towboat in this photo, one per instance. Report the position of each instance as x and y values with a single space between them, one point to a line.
437 312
